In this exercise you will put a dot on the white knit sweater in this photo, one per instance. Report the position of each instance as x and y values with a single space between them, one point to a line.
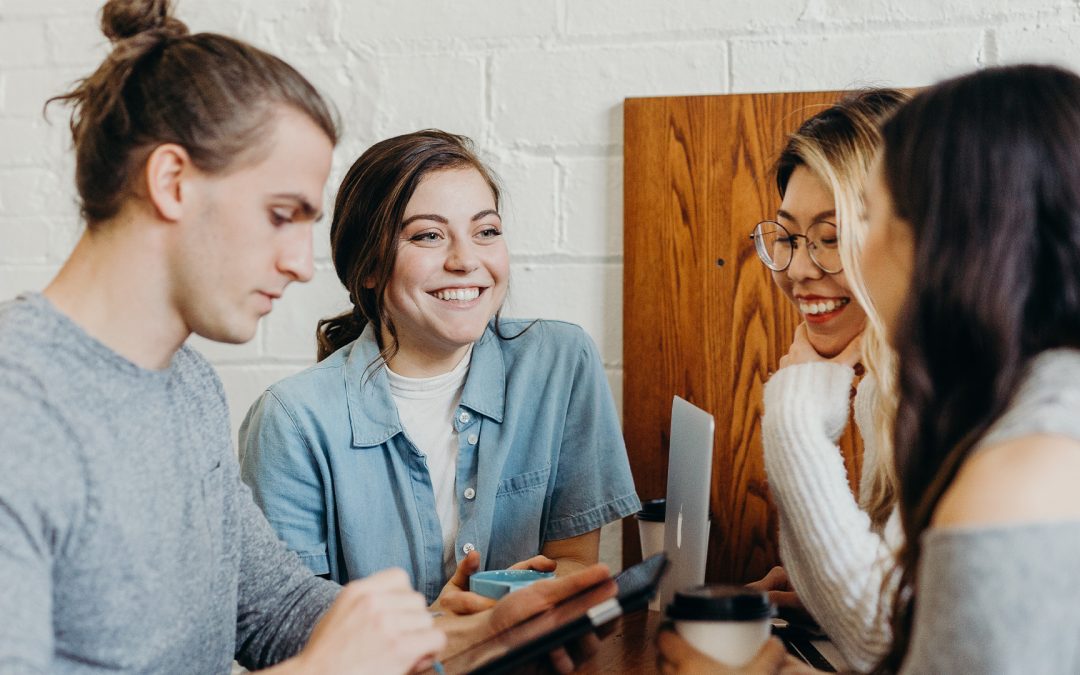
835 559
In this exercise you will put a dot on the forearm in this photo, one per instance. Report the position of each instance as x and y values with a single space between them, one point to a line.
569 566
844 594
575 553
279 600
834 558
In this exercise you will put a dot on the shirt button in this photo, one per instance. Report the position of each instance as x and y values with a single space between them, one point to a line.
469 493
473 438
467 548
464 417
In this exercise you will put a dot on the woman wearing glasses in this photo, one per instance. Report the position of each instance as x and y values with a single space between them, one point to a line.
972 257
835 549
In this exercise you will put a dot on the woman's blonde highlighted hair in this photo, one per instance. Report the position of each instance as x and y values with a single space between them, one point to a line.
839 145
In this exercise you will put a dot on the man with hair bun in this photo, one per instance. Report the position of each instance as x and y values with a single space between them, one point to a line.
127 541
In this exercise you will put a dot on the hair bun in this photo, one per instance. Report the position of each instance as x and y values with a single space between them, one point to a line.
122 19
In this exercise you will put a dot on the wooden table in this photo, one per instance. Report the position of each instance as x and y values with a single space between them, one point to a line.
631 647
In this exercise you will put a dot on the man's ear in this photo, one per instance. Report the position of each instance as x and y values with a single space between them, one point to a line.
165 171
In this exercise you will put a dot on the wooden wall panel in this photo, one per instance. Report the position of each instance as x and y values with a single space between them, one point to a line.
701 316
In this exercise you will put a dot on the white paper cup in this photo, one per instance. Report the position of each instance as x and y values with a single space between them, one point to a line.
652 537
727 623
651 531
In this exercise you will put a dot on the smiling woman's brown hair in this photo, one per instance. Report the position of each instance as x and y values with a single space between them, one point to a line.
368 214
213 95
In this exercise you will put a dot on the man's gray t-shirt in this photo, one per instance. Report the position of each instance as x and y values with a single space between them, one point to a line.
127 541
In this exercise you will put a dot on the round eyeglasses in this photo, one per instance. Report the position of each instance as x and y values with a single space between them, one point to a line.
776 246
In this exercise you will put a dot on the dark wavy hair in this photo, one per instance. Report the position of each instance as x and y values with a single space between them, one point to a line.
985 170
368 213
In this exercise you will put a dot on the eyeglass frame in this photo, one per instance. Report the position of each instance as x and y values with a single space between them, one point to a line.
810 248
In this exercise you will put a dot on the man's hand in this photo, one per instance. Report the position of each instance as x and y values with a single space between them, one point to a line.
456 597
376 625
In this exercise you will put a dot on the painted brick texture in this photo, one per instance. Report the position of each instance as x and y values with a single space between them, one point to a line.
538 84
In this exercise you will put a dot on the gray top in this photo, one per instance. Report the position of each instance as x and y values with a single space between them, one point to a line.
1002 599
127 541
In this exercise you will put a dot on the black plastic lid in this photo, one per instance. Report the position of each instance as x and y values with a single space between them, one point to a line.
720 603
654 511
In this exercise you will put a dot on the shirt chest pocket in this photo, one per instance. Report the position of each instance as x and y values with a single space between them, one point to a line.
530 481
518 518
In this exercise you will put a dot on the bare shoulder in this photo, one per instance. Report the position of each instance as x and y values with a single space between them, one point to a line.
1027 479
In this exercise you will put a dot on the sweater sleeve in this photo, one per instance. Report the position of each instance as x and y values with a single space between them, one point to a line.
835 559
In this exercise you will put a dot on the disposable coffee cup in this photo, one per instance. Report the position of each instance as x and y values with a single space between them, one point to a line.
651 530
727 623
651 526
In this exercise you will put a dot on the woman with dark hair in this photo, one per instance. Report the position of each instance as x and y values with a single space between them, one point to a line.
973 261
433 434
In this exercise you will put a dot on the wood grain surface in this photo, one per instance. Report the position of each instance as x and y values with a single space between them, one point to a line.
701 316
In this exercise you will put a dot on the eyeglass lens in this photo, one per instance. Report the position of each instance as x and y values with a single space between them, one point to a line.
775 245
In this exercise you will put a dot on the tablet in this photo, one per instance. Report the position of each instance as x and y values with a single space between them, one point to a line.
572 618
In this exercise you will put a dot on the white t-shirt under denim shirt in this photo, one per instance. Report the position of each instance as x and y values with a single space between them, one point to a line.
426 406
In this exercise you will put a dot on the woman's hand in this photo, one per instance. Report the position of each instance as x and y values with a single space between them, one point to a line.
675 656
783 595
801 351
456 597
513 608
778 586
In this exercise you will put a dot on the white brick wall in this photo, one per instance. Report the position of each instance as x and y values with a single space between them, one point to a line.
539 85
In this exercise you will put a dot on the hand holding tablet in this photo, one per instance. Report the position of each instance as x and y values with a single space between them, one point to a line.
554 613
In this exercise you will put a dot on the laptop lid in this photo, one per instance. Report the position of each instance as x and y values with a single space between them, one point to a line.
686 525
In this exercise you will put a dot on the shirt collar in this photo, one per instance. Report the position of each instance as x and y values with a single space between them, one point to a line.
485 385
372 411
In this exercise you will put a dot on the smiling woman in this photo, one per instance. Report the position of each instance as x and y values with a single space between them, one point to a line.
835 547
451 272
435 435
814 281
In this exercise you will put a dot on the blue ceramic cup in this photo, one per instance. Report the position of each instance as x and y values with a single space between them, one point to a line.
496 583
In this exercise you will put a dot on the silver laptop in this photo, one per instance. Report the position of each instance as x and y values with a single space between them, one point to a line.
686 526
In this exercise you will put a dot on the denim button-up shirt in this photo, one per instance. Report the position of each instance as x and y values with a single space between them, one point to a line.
541 457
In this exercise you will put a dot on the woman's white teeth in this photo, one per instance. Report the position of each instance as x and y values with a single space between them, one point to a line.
822 306
462 294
